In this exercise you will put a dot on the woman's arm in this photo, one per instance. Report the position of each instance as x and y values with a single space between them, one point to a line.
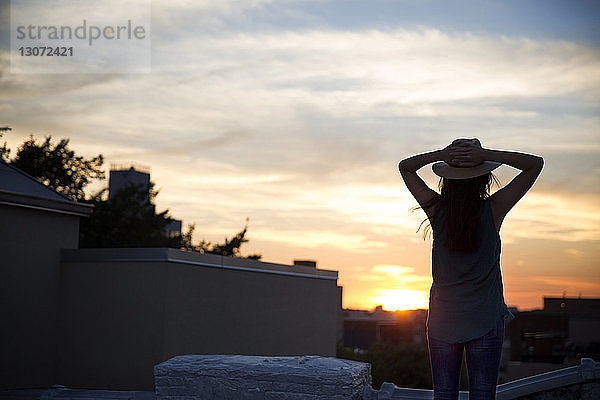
504 199
408 169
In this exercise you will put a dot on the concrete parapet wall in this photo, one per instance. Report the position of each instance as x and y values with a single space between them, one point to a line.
123 311
236 377
580 382
579 391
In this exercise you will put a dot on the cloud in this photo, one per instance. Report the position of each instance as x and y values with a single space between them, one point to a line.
574 252
554 217
172 20
559 283
399 67
399 274
302 130
355 243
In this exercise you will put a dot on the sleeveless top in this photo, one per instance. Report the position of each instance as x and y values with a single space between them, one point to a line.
466 298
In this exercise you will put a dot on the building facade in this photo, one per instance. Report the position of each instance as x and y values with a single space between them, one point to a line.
37 222
125 310
103 318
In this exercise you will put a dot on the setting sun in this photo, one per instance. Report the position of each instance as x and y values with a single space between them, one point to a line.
401 299
298 123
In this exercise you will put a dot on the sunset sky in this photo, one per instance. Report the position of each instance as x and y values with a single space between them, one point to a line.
295 114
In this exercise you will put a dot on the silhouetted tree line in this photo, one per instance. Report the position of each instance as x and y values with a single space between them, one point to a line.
403 364
128 219
230 247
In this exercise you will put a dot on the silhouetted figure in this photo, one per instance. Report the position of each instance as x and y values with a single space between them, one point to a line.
466 301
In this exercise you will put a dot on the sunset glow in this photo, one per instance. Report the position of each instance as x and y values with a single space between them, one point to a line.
401 299
296 114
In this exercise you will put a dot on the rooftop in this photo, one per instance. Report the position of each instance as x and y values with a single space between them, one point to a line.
18 188
577 382
193 258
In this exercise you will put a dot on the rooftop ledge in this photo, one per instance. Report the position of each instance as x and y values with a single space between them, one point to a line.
588 372
235 377
56 205
192 258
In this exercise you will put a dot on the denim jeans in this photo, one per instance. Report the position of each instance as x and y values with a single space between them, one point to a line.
483 362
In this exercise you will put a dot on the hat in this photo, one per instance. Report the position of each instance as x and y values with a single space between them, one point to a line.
446 171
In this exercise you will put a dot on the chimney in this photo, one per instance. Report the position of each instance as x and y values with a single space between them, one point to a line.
306 263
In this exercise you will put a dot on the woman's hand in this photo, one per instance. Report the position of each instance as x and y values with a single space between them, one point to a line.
453 153
465 153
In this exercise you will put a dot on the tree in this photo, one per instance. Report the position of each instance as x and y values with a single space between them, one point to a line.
231 247
127 219
4 150
403 364
57 166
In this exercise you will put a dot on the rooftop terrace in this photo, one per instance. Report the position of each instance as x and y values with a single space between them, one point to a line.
233 377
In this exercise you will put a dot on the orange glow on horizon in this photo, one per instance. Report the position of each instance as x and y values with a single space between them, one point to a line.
400 299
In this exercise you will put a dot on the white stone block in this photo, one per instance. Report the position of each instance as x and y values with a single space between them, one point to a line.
238 377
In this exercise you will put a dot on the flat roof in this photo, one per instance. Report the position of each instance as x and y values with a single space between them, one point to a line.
193 258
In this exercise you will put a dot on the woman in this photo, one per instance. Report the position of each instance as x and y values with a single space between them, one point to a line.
466 302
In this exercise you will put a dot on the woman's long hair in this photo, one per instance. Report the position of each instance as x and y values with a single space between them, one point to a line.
459 208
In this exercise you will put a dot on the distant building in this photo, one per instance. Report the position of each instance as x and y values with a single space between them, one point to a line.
565 328
572 305
307 263
362 328
122 176
173 228
584 323
539 336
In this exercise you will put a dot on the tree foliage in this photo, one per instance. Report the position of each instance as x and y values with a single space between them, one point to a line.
4 150
230 247
128 219
57 166
403 364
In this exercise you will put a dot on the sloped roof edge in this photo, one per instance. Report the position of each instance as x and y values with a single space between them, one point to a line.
23 190
45 204
32 178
